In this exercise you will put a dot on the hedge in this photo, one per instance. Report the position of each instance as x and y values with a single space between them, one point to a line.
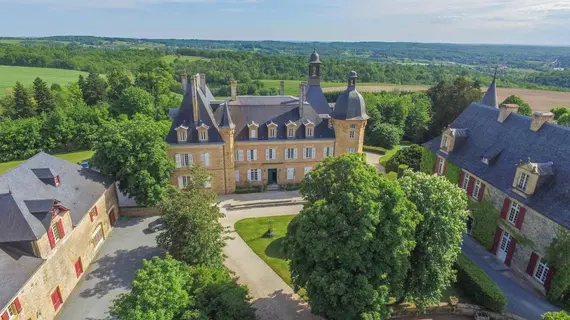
485 218
373 149
452 173
476 284
428 161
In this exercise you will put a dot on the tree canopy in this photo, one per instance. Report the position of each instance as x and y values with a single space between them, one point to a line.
524 108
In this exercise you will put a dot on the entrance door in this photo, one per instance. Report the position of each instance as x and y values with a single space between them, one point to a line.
271 176
504 247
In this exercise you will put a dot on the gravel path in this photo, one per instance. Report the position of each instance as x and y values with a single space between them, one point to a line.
272 297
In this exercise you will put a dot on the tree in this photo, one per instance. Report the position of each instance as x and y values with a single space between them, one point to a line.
524 108
43 96
159 292
154 77
449 100
93 88
438 236
350 244
560 315
118 81
394 109
22 102
410 156
134 153
559 111
417 121
134 100
192 231
385 135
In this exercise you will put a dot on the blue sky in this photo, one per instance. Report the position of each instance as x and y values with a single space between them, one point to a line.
461 21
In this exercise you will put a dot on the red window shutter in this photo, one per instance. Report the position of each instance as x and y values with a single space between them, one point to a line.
444 166
549 276
18 305
51 239
506 207
532 264
78 267
56 180
56 299
60 227
471 186
96 211
461 177
5 315
91 215
520 218
481 191
497 241
510 251
436 165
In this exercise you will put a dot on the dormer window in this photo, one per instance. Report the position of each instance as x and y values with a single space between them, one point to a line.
450 138
202 132
272 133
291 129
523 181
445 141
530 176
182 134
309 132
253 126
485 160
56 181
272 130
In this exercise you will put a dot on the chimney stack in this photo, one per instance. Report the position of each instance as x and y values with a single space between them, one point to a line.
184 80
234 90
505 110
282 88
539 118
203 82
194 88
301 98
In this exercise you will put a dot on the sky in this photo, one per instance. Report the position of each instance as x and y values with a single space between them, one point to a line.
540 22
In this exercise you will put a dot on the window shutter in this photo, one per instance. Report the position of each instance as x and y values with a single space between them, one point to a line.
506 207
471 186
248 175
178 160
314 153
549 276
444 166
180 182
436 165
461 178
267 154
304 153
498 234
532 264
254 154
51 239
511 251
237 175
240 154
18 305
325 153
295 153
91 215
248 155
520 217
207 162
274 154
287 154
481 191
5 315
60 227
190 159
258 174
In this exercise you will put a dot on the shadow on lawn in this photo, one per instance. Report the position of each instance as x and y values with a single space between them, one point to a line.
279 305
275 249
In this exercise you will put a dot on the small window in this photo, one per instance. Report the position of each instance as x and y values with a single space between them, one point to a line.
291 133
253 133
465 183
272 133
541 271
290 153
308 153
251 155
203 136
271 154
183 181
351 134
444 144
309 132
308 169
440 166
523 181
351 150
181 136
485 160
205 159
55 231
290 174
97 236
477 189
328 151
514 212
254 175
353 126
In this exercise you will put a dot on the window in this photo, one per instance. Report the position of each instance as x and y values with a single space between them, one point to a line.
465 183
251 155
78 268
13 310
203 136
514 212
440 166
477 189
237 175
351 150
56 181
271 154
56 299
290 153
183 181
97 236
254 175
308 153
183 160
541 271
290 173
351 134
239 155
444 143
328 151
309 132
208 183
523 181
55 231
206 159
253 133
93 213
308 169
291 133
181 136
352 126
272 133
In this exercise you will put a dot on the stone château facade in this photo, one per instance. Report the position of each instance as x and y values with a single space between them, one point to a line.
263 140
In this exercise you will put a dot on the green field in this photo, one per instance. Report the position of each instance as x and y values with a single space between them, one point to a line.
75 157
26 75
171 58
292 86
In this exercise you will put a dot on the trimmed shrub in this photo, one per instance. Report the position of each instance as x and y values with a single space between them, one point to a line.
476 284
410 156
386 135
428 161
374 149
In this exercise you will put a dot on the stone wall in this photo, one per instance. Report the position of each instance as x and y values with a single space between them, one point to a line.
138 212
343 140
59 268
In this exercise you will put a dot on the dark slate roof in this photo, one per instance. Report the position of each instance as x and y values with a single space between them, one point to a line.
315 58
24 197
316 97
513 142
490 98
226 118
16 268
277 109
460 133
350 104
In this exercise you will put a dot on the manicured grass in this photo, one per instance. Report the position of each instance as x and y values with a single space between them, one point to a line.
26 75
172 57
75 157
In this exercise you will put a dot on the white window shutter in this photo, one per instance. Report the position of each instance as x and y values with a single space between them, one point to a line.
237 175
248 175
180 182
295 153
254 155
287 154
178 161
314 153
274 154
304 153
190 159
240 153
258 174
248 155
325 154
203 157
267 154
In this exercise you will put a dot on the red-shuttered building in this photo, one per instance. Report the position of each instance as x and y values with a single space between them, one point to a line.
522 166
54 216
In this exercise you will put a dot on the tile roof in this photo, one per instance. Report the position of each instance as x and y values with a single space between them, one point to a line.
512 142
16 268
24 197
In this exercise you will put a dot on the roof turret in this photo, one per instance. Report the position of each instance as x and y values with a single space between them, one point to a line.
490 98
350 104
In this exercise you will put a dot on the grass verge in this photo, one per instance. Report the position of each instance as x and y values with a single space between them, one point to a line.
74 157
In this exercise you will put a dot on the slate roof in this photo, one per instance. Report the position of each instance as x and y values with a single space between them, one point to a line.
512 142
24 197
16 268
350 104
316 98
490 97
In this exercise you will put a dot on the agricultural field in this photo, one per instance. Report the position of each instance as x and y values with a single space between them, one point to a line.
172 57
26 75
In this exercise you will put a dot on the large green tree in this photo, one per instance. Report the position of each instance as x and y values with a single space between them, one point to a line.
349 246
418 119
134 153
192 231
22 102
449 99
438 236
94 88
134 100
155 77
43 96
524 108
118 81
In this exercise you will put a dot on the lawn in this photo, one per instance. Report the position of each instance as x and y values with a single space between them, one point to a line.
269 250
26 75
172 57
75 157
